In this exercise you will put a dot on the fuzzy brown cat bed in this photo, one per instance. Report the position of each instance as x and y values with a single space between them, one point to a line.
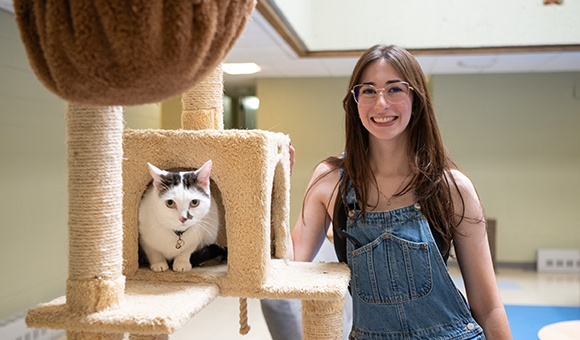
108 294
127 52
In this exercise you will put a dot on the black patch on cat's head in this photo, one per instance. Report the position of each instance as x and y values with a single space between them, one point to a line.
169 180
190 181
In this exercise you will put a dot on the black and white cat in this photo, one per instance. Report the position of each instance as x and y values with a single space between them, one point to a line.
177 217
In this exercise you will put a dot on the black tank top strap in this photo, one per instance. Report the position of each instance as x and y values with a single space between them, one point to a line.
339 219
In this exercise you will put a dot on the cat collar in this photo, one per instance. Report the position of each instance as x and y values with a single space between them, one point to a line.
180 241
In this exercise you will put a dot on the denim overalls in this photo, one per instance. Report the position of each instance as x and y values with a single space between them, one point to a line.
401 288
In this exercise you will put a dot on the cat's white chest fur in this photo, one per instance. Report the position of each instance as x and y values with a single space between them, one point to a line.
177 216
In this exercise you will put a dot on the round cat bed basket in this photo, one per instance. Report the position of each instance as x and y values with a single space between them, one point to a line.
127 52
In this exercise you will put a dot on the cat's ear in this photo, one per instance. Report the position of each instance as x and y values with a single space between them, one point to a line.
203 174
156 175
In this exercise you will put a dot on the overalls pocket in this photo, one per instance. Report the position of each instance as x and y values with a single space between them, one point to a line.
391 270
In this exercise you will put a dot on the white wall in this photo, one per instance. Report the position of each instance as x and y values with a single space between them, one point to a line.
33 179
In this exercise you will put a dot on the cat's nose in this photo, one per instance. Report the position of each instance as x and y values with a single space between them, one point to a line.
182 219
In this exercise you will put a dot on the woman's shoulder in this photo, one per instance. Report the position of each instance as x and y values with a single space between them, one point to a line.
464 195
459 181
326 172
324 182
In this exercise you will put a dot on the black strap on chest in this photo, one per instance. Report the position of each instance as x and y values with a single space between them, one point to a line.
340 236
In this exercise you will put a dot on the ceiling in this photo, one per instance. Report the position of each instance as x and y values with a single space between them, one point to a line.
262 44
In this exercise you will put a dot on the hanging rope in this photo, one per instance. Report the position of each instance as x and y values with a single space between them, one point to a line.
244 327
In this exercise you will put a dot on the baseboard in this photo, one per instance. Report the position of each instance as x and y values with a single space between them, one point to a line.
526 266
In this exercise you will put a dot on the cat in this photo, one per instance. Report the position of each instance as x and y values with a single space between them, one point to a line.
178 219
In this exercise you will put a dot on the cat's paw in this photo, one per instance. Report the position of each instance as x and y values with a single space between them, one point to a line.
159 267
179 266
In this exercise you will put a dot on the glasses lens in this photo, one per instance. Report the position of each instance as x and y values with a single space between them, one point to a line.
365 94
397 92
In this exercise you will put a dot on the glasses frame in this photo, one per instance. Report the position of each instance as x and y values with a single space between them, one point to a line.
410 88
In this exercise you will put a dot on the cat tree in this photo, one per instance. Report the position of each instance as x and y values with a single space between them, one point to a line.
98 55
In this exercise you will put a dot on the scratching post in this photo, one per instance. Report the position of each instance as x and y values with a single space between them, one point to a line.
202 106
322 319
93 336
148 337
95 196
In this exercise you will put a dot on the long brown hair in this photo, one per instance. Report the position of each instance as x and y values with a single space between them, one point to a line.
429 161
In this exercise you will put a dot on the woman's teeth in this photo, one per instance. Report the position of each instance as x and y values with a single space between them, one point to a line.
382 120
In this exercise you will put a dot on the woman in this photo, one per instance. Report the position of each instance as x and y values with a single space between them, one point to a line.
404 202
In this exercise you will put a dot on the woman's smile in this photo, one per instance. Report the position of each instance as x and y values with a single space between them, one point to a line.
384 119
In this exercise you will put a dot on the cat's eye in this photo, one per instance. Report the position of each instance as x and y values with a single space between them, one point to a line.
194 203
170 203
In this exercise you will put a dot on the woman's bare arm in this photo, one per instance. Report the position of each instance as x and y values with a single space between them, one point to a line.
315 216
474 258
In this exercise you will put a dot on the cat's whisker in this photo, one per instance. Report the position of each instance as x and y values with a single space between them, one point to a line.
206 227
209 218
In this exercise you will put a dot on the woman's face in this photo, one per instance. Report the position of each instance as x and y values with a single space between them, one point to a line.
383 120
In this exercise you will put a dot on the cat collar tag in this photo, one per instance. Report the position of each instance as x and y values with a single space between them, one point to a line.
180 241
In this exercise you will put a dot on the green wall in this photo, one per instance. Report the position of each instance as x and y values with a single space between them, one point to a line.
310 111
33 234
33 179
515 135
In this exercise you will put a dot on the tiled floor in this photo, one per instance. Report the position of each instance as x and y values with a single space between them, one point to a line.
520 287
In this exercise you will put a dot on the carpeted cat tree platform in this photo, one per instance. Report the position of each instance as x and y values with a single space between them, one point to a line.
98 55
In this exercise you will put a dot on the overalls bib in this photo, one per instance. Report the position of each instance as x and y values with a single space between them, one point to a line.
401 288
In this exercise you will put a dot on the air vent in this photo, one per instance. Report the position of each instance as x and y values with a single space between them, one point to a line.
559 260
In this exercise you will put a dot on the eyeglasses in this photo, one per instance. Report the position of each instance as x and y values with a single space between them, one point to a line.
395 93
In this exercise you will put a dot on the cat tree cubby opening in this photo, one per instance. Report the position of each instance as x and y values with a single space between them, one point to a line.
247 166
251 170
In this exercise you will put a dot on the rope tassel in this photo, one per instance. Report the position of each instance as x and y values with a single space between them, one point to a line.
244 327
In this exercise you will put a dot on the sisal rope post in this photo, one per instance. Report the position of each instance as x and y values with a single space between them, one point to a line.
203 105
148 337
93 336
244 327
322 319
95 153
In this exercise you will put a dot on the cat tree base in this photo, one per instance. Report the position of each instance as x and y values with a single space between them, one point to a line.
161 303
148 308
287 280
